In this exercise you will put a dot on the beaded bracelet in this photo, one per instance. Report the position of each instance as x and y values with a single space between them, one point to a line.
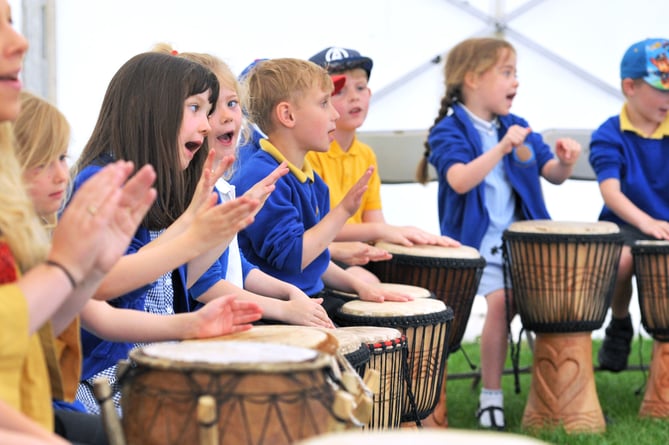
65 271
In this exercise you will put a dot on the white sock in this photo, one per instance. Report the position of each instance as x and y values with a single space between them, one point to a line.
491 397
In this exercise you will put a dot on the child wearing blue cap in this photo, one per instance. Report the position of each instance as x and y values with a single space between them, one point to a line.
348 158
629 153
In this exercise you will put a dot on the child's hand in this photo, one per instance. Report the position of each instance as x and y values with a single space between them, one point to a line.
224 315
514 137
370 292
353 198
567 150
205 185
263 188
355 253
410 235
215 223
308 312
656 228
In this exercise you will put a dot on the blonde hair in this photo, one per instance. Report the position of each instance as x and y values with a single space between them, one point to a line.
277 80
476 55
42 134
19 226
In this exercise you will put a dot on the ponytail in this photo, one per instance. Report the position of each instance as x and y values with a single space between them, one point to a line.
446 102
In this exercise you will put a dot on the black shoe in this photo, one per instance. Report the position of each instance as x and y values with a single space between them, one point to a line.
617 345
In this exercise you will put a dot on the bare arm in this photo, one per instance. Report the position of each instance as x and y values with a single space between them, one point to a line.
223 315
337 278
299 311
18 429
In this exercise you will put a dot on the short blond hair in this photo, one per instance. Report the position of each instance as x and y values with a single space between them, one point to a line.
277 80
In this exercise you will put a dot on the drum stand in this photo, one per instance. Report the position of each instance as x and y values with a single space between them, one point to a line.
656 399
562 390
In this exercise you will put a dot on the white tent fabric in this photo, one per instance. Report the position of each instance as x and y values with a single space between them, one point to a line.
568 59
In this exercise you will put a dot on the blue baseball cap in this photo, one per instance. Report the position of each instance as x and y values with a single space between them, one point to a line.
647 60
245 72
336 59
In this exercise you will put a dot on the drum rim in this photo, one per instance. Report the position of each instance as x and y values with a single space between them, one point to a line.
139 358
462 248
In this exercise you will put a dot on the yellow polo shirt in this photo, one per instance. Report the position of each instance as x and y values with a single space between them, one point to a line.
341 170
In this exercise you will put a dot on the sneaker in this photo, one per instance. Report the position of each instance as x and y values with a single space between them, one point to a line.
617 345
491 417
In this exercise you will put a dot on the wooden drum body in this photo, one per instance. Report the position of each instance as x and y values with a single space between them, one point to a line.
451 273
651 267
264 393
425 323
562 274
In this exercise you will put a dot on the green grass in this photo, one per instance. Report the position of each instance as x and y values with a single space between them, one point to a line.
620 396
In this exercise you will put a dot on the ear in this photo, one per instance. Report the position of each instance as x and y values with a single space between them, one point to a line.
471 80
284 114
628 86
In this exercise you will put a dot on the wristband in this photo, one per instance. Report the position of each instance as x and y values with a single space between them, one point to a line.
65 271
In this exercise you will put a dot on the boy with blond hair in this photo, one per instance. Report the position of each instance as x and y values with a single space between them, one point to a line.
290 101
629 153
348 158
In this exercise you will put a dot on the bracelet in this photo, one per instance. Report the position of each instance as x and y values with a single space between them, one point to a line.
65 271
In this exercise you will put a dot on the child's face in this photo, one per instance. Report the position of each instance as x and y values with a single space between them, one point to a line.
315 120
47 185
194 126
497 87
352 102
226 122
647 103
13 47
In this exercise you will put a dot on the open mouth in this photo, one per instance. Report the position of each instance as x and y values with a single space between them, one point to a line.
226 138
193 146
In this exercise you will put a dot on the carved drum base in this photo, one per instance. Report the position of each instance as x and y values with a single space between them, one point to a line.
562 392
656 400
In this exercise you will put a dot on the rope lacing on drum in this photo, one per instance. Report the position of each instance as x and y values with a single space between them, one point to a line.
513 348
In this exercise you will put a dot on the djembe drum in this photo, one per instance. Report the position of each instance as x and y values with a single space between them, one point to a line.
388 355
426 325
265 393
562 274
452 274
651 267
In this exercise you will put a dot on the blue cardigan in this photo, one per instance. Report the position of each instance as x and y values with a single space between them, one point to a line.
99 354
455 140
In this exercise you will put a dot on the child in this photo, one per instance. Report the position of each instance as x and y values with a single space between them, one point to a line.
488 163
139 121
628 153
287 303
348 158
289 100
46 279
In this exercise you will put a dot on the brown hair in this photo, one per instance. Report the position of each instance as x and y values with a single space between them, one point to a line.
476 55
277 80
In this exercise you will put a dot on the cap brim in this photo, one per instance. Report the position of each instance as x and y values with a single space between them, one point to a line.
338 81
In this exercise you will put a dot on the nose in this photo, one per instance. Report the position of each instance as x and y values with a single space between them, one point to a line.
17 45
335 113
204 127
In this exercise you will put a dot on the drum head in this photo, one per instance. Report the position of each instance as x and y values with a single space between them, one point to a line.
228 355
348 341
420 306
465 252
564 227
303 336
424 437
413 291
373 334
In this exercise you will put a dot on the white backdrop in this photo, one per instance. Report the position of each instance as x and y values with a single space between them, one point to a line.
95 37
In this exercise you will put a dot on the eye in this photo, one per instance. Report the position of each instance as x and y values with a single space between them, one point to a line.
63 157
233 103
194 107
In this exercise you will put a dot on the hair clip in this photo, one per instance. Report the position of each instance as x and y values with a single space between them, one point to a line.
174 52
